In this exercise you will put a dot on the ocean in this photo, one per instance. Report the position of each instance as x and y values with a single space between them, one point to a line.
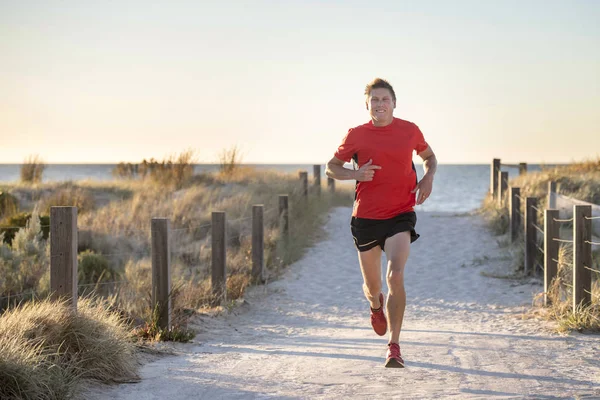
456 188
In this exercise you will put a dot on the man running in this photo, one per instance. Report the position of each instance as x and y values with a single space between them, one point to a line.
383 218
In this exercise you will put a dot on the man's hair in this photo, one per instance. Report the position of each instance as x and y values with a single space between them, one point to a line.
379 83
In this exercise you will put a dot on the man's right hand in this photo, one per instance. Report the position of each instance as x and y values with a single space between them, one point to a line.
366 172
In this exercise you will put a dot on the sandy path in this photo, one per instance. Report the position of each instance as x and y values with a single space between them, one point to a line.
308 335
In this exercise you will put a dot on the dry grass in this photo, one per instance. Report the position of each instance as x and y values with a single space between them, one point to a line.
560 296
68 194
230 160
118 227
32 169
46 349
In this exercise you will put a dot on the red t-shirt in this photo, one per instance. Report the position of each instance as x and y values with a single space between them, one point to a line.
391 147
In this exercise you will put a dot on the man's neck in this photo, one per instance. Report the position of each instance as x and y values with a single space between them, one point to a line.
382 123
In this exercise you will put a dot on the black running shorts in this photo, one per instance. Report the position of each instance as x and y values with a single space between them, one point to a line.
368 233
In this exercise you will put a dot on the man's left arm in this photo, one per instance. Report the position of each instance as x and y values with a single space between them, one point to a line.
425 185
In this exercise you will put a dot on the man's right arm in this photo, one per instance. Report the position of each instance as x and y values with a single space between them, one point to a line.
335 169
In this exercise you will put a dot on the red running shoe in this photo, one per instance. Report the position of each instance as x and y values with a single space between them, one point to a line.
378 320
393 357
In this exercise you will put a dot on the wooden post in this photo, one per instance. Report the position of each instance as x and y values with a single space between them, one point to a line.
522 168
551 195
317 176
161 271
530 234
63 253
284 215
258 258
331 184
515 208
219 244
551 231
582 255
304 179
503 184
494 168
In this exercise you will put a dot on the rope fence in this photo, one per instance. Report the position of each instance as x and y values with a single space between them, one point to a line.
562 220
523 224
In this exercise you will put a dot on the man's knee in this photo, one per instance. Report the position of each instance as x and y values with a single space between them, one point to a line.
395 280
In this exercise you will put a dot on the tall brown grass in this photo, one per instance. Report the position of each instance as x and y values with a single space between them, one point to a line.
230 160
32 169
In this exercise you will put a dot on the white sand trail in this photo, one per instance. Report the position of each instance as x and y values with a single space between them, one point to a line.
308 334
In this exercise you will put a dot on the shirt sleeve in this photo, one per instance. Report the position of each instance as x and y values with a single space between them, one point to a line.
348 147
420 143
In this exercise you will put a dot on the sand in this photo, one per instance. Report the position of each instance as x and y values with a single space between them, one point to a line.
307 336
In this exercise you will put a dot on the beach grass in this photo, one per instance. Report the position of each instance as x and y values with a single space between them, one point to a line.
47 349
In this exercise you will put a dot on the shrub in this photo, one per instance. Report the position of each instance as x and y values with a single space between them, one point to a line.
172 171
9 204
94 268
32 169
20 220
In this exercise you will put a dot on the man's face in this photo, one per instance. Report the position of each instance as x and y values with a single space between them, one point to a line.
381 105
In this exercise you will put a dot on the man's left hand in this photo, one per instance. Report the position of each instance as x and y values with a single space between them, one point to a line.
424 188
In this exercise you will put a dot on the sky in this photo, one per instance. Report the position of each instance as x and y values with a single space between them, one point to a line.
283 81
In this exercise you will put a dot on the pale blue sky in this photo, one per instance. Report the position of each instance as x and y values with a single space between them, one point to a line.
84 81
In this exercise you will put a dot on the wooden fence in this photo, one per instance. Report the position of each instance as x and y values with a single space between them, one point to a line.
64 239
524 225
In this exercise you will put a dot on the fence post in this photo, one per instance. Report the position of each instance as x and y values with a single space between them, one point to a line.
258 258
530 234
582 255
63 253
161 270
552 195
503 185
522 168
317 176
494 168
218 253
284 216
331 184
304 179
515 209
551 232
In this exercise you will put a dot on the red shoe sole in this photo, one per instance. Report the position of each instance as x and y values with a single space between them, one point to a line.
393 363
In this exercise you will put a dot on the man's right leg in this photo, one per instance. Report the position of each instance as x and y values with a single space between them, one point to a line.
370 266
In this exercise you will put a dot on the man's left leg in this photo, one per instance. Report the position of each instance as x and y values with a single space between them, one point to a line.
397 249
